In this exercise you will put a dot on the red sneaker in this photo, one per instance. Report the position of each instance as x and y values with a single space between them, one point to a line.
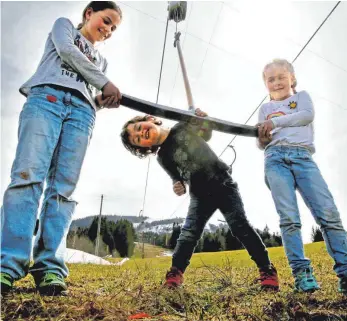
269 278
174 278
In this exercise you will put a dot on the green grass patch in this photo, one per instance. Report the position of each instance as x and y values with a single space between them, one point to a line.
150 251
218 286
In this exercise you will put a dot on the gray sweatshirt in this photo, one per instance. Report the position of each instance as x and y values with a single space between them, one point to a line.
292 119
71 61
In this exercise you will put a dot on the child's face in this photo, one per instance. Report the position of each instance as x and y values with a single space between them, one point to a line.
101 24
144 134
278 81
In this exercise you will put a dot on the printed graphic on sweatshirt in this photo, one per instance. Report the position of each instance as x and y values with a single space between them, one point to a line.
276 114
292 104
68 71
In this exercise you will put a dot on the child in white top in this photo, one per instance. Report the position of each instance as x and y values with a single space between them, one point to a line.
286 134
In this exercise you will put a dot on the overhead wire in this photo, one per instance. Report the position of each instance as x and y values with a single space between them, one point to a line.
214 45
296 57
159 82
221 49
209 42
160 74
255 110
217 47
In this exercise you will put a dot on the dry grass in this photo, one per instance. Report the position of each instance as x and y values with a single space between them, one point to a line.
218 286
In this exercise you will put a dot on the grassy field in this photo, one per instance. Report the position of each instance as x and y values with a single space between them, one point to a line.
150 251
218 286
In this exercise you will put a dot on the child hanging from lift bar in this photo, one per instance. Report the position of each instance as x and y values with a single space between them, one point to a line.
184 154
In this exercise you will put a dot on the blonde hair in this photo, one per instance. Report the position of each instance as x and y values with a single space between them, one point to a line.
99 6
287 65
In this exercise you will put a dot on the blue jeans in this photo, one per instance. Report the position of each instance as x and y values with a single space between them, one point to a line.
54 132
288 169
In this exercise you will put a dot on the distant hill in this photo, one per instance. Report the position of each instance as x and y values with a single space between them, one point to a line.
143 224
86 221
148 224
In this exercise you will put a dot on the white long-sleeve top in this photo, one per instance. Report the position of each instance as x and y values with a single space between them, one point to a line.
292 119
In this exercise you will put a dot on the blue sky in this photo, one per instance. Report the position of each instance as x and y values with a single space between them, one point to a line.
225 46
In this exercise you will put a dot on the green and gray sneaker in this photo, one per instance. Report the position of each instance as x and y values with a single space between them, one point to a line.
6 283
305 281
50 284
342 288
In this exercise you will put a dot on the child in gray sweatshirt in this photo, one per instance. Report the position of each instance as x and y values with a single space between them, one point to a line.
55 128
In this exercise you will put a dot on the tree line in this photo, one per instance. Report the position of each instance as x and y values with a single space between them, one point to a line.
221 239
114 236
120 237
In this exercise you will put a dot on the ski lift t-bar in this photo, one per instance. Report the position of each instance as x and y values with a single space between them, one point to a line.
184 72
177 12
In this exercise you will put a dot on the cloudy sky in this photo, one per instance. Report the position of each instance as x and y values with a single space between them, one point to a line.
225 46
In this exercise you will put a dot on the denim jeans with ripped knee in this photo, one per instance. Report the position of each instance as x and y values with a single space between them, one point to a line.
55 129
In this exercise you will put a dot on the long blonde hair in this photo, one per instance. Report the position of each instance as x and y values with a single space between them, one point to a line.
287 65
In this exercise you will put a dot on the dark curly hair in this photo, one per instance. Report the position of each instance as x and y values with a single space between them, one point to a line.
138 151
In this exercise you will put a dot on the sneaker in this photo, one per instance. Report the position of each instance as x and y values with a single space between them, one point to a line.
6 283
305 281
343 285
174 278
51 284
269 278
